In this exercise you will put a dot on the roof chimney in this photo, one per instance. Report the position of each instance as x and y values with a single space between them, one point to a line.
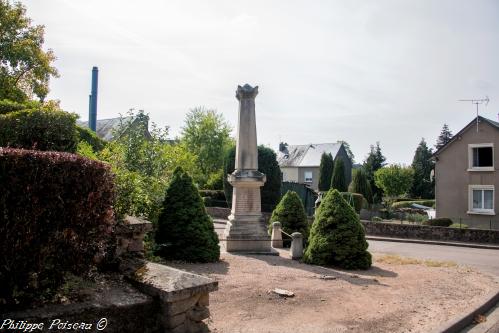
92 112
282 146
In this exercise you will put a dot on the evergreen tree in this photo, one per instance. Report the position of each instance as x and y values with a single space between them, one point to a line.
185 231
337 238
444 137
422 164
291 213
360 184
338 181
325 172
374 161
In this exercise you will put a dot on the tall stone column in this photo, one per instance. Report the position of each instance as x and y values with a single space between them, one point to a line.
245 230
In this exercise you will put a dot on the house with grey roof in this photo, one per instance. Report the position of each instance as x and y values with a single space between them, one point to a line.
106 129
466 175
300 163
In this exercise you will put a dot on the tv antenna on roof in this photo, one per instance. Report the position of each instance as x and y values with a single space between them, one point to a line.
477 102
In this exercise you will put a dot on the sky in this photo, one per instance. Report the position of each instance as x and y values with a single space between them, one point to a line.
358 71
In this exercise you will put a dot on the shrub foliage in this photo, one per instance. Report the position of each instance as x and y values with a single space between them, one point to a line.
355 200
440 222
360 184
338 180
325 172
185 231
56 215
337 238
46 128
291 213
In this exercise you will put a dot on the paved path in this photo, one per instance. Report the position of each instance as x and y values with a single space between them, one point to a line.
484 260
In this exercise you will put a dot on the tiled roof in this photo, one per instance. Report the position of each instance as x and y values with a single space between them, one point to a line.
306 155
106 128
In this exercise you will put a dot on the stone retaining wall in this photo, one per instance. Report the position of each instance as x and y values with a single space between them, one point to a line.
431 233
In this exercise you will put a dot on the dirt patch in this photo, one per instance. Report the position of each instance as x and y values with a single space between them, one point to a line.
390 297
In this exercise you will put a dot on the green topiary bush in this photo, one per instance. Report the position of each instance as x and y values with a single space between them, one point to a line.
338 181
337 238
439 222
40 129
185 231
325 172
356 200
291 213
56 217
360 184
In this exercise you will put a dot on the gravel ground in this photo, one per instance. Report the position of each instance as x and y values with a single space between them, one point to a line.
387 298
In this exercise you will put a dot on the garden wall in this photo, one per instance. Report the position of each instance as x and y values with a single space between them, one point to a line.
431 233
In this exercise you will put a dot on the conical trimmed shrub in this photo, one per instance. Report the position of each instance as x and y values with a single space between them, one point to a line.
338 180
291 213
360 184
337 238
185 231
325 172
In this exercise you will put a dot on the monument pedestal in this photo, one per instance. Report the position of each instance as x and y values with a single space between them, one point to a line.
246 231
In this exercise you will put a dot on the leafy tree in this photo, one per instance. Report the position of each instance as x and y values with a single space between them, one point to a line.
394 180
25 68
291 213
267 164
374 161
422 164
143 166
338 180
185 231
360 184
207 135
337 238
350 154
325 172
444 137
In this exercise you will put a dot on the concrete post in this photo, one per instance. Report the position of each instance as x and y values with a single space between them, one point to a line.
296 250
276 235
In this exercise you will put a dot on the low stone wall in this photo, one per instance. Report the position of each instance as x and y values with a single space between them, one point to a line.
431 233
223 213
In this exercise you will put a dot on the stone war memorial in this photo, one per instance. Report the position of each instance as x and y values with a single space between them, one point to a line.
246 230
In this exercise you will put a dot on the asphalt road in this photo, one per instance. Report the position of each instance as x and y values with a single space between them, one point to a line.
484 260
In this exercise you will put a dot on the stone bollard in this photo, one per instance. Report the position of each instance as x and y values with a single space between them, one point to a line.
276 235
296 249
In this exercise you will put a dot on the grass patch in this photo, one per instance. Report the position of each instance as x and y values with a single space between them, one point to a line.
392 259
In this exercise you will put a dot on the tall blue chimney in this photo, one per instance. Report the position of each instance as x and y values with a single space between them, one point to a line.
92 112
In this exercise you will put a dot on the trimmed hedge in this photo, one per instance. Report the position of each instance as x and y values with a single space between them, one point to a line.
356 199
407 204
185 231
291 213
89 136
440 222
337 238
56 216
40 129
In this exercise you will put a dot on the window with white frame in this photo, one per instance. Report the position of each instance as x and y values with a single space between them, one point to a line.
308 177
481 199
481 157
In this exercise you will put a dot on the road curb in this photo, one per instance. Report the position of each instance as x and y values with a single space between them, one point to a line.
430 242
460 323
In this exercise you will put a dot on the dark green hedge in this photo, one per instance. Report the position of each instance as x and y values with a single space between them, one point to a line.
356 200
89 136
56 215
39 129
291 213
440 222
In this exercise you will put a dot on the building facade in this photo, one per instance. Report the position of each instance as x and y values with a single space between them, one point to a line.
300 163
466 175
